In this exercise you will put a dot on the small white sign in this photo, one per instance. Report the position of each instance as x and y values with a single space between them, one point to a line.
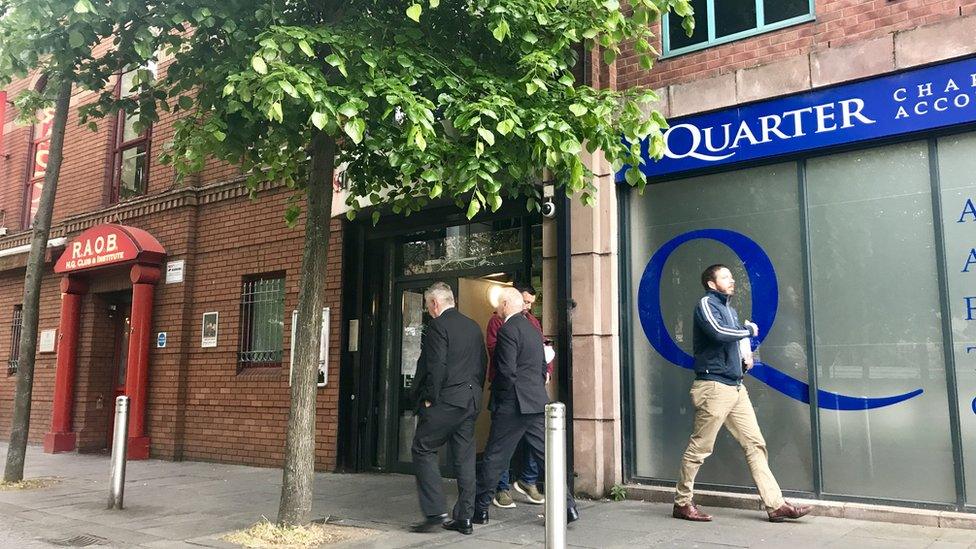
209 333
323 376
174 271
47 341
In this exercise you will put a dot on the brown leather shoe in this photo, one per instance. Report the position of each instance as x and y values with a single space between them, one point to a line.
690 512
788 511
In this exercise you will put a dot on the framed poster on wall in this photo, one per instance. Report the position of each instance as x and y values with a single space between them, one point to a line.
323 375
209 334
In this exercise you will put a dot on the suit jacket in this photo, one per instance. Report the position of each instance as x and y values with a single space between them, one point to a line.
451 368
520 367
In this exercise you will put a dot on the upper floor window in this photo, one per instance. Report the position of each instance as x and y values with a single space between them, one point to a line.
40 147
262 320
15 327
132 140
721 21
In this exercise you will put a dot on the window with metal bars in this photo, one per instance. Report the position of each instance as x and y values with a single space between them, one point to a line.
15 327
262 321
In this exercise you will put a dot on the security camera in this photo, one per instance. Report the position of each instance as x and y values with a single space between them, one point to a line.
549 209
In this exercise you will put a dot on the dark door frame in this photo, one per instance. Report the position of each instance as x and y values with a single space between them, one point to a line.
369 284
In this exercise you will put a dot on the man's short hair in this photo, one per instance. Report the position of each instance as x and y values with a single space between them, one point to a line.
526 289
709 274
441 293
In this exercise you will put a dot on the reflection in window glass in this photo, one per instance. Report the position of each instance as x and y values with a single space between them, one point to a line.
132 177
877 323
775 11
762 204
957 172
676 33
734 16
463 247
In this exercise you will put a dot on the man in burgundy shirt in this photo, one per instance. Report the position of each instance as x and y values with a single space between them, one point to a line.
530 473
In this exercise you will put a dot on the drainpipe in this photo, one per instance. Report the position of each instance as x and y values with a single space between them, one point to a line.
564 321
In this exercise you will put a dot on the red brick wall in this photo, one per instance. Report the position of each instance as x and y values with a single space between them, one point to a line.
838 22
199 407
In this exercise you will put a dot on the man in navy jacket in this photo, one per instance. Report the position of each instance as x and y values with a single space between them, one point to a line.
720 398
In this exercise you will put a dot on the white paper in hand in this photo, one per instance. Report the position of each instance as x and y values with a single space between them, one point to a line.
745 349
549 352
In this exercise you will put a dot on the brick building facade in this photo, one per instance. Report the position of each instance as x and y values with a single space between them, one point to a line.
202 404
626 423
768 167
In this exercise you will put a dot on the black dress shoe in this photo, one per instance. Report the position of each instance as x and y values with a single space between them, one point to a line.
431 524
463 526
480 517
572 515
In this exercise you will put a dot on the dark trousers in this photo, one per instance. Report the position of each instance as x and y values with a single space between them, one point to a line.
441 424
508 427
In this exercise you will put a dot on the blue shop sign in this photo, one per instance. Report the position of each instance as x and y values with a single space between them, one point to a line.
912 101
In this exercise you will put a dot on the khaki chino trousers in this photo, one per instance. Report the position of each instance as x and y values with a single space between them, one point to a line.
718 404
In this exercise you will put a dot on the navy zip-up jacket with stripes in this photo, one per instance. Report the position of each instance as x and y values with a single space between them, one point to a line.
716 340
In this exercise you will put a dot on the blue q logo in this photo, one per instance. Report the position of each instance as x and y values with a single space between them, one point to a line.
765 301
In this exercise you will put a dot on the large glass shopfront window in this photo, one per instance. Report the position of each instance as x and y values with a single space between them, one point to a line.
762 205
840 260
957 174
877 323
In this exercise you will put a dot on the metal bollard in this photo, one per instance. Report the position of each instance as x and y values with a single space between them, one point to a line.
556 475
120 441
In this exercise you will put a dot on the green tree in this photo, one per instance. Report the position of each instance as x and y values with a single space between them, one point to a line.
57 39
472 101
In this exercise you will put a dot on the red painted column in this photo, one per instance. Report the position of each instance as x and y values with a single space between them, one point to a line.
144 279
62 438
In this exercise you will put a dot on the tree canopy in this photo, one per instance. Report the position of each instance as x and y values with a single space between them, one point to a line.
471 100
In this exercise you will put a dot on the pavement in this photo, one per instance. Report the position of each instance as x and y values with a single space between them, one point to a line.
192 504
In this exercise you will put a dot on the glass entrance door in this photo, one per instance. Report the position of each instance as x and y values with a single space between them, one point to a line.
477 260
412 319
123 326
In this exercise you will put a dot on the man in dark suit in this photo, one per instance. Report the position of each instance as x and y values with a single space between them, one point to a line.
447 387
518 402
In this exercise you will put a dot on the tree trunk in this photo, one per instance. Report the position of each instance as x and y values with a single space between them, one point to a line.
16 452
299 468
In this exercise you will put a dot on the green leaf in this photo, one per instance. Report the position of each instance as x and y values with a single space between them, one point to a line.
487 136
434 3
288 88
473 208
376 217
228 89
75 39
505 126
530 37
351 215
429 174
258 64
418 139
319 119
348 109
84 6
531 88
611 5
306 48
276 110
436 190
609 56
570 146
185 102
219 135
495 201
413 12
355 128
500 30
577 109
